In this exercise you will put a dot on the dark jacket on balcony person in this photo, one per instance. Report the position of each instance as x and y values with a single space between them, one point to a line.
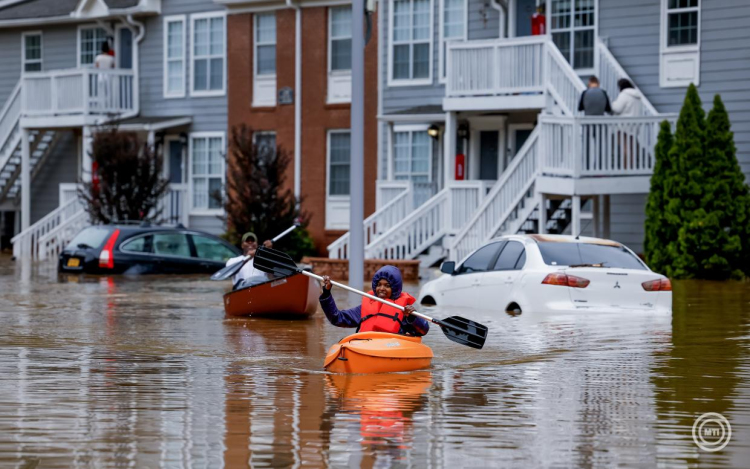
594 101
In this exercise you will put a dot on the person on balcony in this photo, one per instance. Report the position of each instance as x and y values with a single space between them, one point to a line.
372 315
594 101
104 85
628 102
106 59
248 275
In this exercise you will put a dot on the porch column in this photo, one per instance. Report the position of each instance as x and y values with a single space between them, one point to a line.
575 224
542 213
450 147
606 231
25 179
597 216
86 148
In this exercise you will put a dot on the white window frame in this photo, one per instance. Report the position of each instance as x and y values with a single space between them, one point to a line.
339 81
572 29
24 60
412 81
411 129
78 44
207 93
167 20
262 97
191 138
443 58
335 203
683 55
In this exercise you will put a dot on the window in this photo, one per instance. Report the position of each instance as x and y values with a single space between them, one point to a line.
264 83
211 249
412 151
509 258
609 256
480 260
452 28
171 244
174 57
339 161
32 52
93 236
265 143
90 41
573 28
208 55
341 38
140 245
411 42
679 63
207 170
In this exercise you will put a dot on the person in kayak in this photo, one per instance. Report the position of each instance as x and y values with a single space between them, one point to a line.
248 275
372 315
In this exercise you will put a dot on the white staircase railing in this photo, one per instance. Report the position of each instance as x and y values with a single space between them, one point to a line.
501 202
9 117
51 244
610 71
563 82
34 241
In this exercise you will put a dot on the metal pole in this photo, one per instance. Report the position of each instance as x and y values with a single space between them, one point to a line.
357 177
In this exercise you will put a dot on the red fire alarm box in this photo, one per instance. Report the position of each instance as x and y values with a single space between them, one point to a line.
460 167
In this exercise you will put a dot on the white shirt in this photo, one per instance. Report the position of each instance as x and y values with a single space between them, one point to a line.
247 271
104 61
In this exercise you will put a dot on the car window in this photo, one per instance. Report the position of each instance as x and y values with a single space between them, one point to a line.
555 253
141 245
207 248
171 244
521 260
91 237
480 260
509 256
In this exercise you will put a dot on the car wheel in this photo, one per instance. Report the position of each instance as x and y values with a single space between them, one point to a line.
513 309
428 301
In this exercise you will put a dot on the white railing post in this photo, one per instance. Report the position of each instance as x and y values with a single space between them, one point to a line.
577 148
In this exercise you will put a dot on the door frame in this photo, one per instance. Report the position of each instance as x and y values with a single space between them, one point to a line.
476 125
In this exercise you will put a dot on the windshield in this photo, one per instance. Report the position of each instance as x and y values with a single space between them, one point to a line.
585 254
92 237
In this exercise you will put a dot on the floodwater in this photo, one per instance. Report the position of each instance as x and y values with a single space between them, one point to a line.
147 372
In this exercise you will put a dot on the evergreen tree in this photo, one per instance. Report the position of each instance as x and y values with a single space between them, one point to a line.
256 199
658 231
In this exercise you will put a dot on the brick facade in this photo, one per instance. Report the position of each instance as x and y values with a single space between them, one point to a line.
317 116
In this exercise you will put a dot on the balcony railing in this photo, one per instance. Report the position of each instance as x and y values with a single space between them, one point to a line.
84 91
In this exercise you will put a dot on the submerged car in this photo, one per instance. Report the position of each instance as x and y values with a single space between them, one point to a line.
144 249
550 273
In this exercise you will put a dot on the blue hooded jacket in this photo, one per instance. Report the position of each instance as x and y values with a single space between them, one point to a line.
351 317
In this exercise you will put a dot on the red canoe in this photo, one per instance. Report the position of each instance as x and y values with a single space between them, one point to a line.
292 296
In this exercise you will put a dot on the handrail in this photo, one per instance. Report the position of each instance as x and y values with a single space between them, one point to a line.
9 115
514 41
564 99
609 83
462 244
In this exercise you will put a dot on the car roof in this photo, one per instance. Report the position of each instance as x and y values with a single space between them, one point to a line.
550 238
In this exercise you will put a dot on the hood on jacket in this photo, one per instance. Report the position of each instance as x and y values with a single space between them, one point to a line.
631 93
393 275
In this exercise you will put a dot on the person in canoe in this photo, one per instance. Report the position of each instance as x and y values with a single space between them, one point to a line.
248 275
372 315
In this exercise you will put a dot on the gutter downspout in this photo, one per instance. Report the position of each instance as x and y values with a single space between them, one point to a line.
137 62
502 7
297 98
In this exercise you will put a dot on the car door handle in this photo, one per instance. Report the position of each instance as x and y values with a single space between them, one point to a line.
476 282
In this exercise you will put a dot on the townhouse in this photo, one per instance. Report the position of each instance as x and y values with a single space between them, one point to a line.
169 85
479 129
290 81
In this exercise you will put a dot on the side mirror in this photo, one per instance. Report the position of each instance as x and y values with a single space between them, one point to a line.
448 267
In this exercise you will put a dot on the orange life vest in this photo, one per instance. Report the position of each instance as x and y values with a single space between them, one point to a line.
377 317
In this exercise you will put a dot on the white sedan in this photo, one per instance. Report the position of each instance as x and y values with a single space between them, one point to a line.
550 273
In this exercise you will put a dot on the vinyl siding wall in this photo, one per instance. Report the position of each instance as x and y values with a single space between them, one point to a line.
61 166
632 31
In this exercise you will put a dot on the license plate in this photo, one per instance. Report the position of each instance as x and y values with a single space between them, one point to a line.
74 262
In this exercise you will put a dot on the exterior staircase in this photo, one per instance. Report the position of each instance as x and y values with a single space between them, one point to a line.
42 143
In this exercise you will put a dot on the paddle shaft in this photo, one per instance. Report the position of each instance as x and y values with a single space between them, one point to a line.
286 232
367 295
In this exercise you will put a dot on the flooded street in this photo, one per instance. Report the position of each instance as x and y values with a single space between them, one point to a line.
147 372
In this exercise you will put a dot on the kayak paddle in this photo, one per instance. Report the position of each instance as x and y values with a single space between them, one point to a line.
231 270
455 328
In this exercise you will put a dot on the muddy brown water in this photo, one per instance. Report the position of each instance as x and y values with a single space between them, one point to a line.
147 372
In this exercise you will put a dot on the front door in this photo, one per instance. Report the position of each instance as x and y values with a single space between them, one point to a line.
176 162
518 138
489 148
524 10
124 48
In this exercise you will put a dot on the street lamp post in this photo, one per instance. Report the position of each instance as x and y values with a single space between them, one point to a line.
356 175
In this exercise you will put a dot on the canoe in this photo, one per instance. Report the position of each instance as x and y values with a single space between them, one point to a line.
378 352
293 296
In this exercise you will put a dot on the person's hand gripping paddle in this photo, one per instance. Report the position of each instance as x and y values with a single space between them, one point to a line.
231 270
455 328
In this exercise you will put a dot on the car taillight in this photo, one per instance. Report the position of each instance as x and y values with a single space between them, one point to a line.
660 284
565 280
107 258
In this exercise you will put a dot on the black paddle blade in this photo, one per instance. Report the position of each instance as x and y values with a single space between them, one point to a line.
228 271
464 331
274 262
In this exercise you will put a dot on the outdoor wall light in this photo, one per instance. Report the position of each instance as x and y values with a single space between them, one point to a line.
463 131
433 131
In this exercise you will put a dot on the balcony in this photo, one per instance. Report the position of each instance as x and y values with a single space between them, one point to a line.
77 97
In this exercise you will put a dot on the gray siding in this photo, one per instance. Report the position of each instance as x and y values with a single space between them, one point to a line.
627 219
210 113
61 166
209 224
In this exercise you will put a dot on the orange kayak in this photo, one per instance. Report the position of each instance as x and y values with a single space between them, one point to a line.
294 296
378 352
